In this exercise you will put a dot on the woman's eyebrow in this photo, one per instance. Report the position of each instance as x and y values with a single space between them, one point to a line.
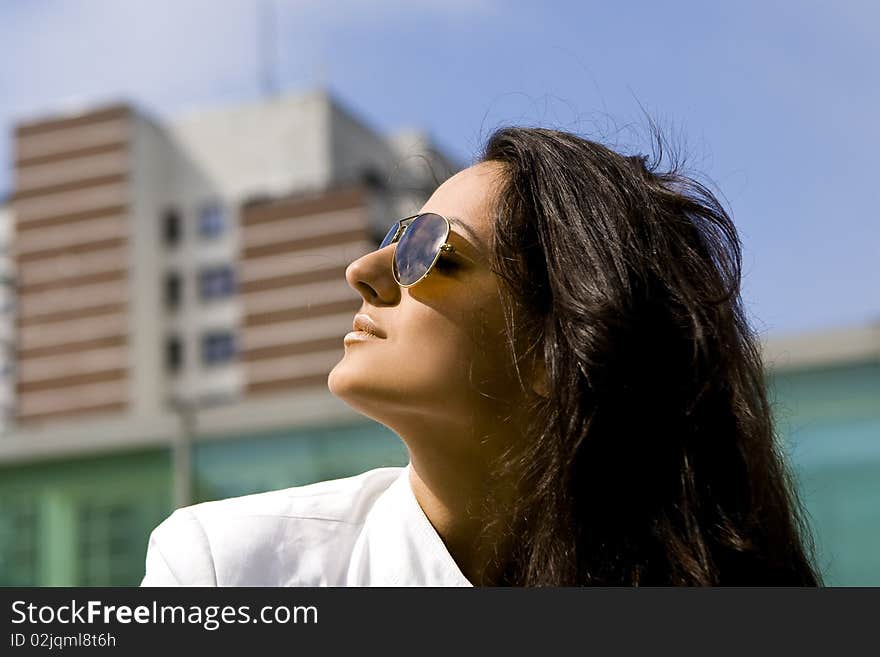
470 231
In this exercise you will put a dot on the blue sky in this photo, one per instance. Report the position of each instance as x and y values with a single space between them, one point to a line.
776 102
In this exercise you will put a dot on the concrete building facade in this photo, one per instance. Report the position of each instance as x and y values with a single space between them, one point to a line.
132 238
7 321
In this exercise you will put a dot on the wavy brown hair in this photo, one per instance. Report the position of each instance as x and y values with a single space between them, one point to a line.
651 458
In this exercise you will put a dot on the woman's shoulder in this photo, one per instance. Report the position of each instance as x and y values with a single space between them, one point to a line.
264 539
342 500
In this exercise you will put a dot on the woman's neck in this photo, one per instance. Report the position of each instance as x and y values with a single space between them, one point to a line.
452 499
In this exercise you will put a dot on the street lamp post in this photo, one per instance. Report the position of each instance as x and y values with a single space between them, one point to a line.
181 452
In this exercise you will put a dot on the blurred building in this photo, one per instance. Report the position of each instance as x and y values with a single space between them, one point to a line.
7 321
825 391
181 300
149 271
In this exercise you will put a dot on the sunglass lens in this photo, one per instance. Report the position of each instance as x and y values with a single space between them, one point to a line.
389 236
419 247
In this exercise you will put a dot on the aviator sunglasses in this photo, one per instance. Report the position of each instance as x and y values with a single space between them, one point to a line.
420 239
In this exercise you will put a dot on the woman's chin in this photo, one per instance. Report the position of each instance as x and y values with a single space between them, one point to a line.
337 381
361 392
352 385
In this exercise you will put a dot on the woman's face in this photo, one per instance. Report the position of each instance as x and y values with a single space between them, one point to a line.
444 334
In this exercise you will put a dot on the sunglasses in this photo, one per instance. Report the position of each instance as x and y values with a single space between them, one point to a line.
421 239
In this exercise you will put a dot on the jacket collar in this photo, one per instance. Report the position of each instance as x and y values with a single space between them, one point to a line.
398 546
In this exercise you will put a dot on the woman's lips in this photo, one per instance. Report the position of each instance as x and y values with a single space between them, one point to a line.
358 336
364 323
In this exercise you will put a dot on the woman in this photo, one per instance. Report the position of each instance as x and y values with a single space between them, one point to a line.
559 340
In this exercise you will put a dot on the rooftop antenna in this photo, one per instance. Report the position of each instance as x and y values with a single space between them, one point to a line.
321 73
268 48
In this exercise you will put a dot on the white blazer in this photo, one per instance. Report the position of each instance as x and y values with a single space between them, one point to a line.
366 530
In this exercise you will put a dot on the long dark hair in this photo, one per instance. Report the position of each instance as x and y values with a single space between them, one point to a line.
651 458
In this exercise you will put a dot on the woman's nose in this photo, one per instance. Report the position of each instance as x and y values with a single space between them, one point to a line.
371 276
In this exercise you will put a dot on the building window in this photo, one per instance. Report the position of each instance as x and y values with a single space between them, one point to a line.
216 282
174 353
218 347
173 289
109 543
211 220
19 546
172 227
